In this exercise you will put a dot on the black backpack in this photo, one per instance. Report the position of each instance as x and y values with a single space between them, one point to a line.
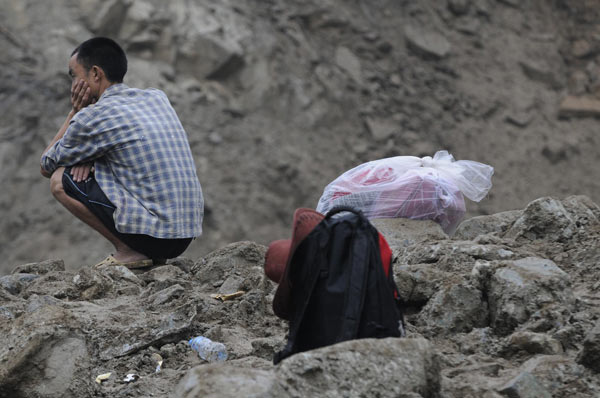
339 288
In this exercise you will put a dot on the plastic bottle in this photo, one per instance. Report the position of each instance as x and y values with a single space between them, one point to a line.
208 350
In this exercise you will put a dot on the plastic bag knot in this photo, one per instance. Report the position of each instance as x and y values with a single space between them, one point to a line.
427 161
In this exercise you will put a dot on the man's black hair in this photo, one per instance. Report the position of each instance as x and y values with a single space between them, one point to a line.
106 54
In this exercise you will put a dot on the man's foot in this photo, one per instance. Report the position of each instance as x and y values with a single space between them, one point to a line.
112 261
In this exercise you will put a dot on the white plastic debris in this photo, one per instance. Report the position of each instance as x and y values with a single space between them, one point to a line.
131 377
102 377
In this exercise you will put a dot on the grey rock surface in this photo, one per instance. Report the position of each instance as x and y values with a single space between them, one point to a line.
490 317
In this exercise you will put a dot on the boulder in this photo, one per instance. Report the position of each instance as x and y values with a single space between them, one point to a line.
524 386
456 308
589 355
544 218
520 288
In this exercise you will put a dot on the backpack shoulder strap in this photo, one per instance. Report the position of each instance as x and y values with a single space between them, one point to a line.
355 295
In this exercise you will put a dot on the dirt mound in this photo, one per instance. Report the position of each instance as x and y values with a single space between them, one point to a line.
509 307
280 97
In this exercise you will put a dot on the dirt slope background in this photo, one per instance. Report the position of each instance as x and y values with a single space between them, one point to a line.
279 97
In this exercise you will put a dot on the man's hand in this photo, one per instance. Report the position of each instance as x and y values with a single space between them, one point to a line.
81 96
81 171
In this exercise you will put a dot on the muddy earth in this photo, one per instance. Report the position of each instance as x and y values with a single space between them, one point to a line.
280 97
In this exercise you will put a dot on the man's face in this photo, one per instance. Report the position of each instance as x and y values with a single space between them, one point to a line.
78 73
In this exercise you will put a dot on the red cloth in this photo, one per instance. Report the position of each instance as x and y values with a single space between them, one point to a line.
386 254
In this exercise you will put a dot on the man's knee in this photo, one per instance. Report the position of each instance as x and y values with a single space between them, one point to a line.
56 184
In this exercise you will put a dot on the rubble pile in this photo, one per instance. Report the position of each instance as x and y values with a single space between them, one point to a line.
507 307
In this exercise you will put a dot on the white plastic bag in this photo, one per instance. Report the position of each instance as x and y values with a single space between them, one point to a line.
411 187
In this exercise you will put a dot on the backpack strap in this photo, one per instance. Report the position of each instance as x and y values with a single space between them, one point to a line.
341 208
355 295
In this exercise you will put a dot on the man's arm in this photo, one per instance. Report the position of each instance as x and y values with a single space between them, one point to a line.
80 98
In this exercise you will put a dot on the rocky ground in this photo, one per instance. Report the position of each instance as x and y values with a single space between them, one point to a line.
280 97
506 308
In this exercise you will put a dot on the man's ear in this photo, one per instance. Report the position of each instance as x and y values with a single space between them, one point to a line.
97 73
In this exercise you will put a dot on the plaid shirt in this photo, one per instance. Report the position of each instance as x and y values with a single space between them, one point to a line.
142 161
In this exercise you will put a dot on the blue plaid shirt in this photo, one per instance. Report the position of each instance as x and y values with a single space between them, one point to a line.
142 161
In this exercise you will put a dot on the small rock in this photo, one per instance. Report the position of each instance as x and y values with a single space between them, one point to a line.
535 343
345 59
542 73
578 82
468 25
40 268
215 138
459 7
381 129
14 283
581 48
519 118
426 44
524 386
166 295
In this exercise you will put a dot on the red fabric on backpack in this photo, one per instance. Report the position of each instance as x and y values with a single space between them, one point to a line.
386 254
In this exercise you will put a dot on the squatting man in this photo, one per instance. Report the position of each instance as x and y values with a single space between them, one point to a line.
121 162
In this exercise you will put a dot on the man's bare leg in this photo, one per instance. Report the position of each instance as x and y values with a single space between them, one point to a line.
123 253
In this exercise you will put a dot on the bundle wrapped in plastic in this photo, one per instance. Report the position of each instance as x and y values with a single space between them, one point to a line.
411 187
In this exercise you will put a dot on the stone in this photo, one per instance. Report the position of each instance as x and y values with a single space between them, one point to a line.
224 381
390 367
427 44
544 218
40 357
520 288
418 283
381 129
166 295
524 386
346 60
481 225
459 7
205 55
14 283
402 232
519 118
164 276
136 19
572 106
40 268
243 259
554 371
539 72
577 83
581 48
589 355
104 17
457 308
534 343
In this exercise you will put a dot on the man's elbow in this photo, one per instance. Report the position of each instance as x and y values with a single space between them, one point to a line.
45 173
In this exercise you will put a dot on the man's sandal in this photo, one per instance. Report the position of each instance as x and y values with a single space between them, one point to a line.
110 260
